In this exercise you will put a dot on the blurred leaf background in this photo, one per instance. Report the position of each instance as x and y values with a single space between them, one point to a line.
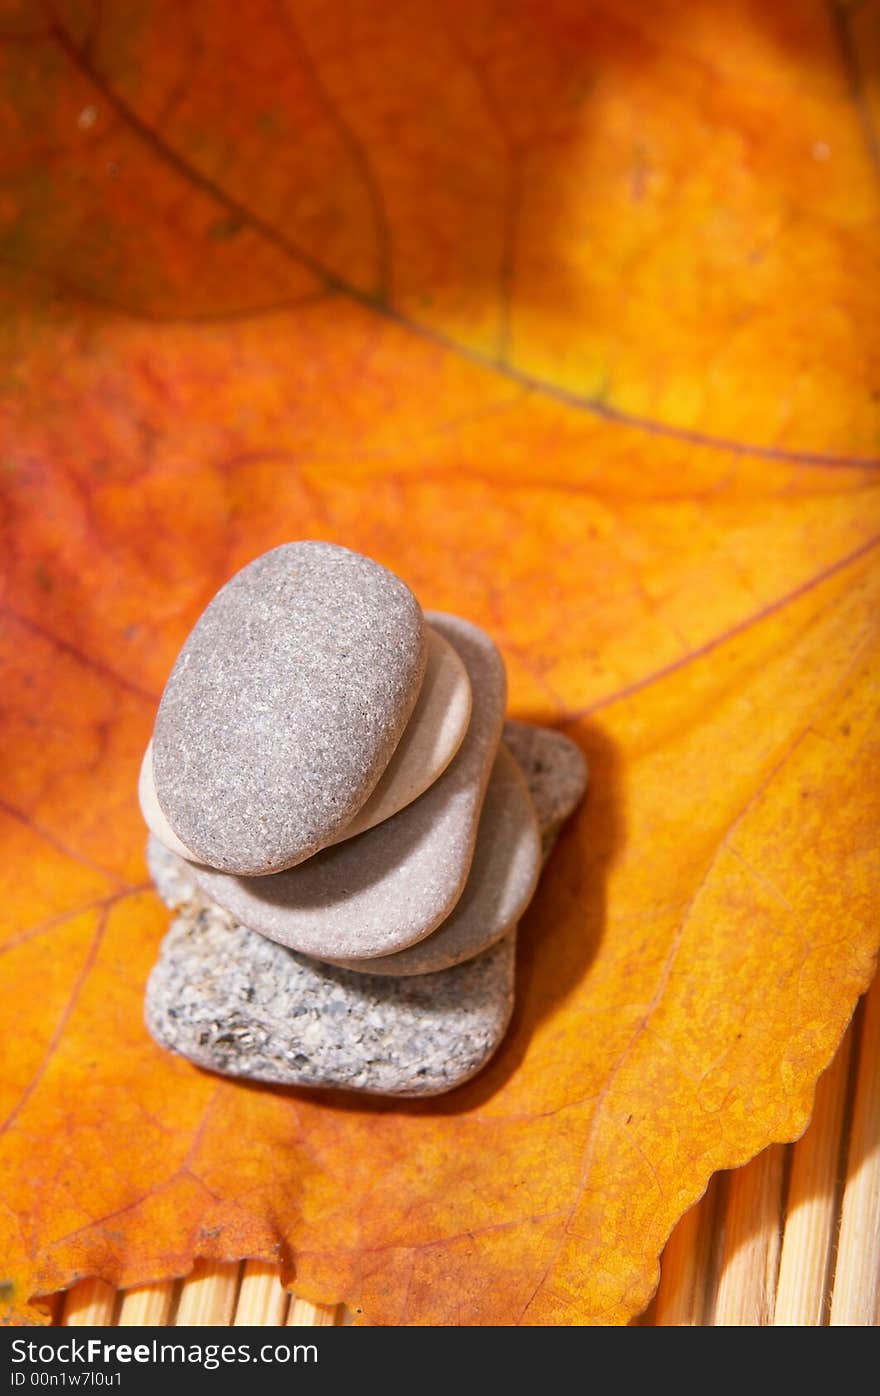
567 313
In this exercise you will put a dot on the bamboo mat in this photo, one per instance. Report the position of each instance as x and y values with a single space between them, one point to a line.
793 1238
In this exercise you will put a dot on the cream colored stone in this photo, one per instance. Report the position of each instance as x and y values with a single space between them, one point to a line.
430 739
152 811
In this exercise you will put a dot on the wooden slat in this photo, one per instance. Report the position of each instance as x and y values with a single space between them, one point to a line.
750 1256
146 1305
686 1276
811 1213
855 1298
262 1299
305 1315
89 1303
208 1295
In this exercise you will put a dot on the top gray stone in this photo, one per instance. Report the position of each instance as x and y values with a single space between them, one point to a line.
285 706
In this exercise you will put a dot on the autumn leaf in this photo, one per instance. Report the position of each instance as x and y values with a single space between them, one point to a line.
568 314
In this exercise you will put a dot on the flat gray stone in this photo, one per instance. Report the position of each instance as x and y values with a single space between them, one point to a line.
503 876
285 706
391 886
233 1002
555 770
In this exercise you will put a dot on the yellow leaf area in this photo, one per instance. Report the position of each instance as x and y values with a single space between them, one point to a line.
567 313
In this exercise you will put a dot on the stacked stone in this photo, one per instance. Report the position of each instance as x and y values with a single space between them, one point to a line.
348 830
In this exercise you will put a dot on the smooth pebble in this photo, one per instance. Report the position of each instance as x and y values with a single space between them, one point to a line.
154 815
503 876
555 769
285 706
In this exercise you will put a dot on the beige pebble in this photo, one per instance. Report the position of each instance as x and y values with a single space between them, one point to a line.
430 740
152 811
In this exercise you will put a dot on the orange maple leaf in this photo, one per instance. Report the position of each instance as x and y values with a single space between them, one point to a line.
568 314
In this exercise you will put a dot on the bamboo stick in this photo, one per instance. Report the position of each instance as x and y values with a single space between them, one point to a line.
686 1273
855 1299
811 1217
207 1296
148 1305
305 1315
91 1303
750 1257
262 1299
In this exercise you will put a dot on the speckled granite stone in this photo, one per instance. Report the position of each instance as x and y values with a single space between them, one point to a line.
233 1002
503 876
389 887
285 705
